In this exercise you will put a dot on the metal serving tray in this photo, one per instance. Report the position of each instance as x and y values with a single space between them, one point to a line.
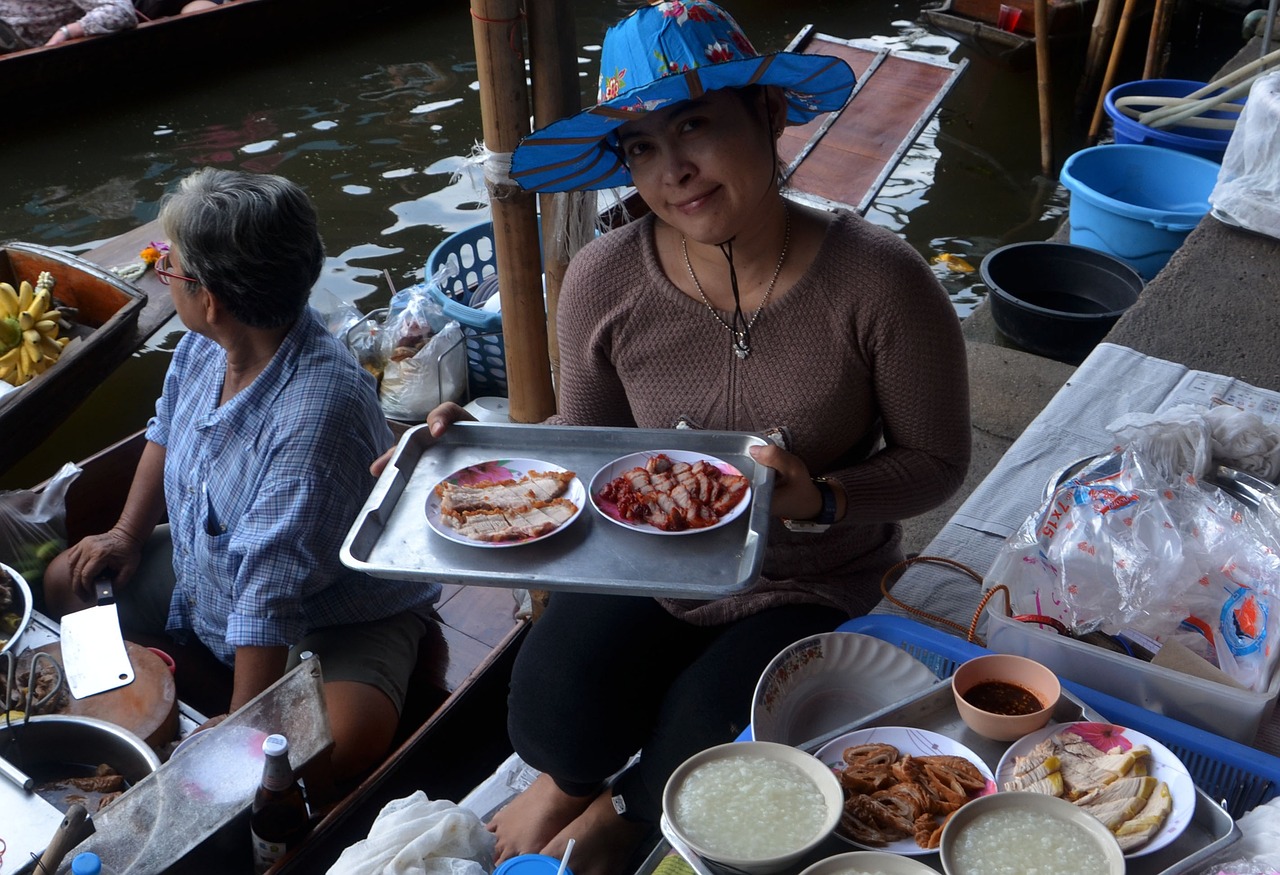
391 537
1211 829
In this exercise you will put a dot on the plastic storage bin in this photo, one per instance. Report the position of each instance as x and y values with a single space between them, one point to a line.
1225 710
474 281
1137 203
1238 776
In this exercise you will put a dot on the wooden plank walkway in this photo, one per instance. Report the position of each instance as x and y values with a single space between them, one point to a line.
845 158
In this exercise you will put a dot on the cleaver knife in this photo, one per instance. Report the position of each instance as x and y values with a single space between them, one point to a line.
93 653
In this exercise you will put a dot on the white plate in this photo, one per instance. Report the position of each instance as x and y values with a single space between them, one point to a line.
620 466
494 470
829 680
917 742
1165 766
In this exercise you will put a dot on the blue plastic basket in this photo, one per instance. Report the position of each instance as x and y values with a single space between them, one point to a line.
1237 776
482 330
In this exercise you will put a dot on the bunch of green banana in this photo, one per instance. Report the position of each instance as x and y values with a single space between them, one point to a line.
29 329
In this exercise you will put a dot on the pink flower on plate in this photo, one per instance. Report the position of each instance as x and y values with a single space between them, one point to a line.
1103 736
486 472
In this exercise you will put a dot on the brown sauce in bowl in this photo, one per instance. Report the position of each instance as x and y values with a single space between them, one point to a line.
1002 697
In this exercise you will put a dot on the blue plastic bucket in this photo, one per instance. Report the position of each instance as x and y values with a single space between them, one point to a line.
1137 203
1206 142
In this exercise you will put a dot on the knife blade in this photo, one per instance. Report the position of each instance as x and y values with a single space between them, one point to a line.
93 653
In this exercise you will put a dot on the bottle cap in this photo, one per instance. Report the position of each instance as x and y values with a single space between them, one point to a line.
274 745
86 863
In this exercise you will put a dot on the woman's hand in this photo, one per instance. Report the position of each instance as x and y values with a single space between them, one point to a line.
794 495
61 35
95 555
438 422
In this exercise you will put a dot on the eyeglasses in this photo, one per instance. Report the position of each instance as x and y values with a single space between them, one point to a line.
165 275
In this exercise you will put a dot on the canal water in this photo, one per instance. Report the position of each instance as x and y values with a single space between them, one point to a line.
379 126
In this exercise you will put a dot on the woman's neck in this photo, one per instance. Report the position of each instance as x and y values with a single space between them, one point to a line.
248 350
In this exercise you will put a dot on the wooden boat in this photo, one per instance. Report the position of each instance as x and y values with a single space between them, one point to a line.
124 65
976 24
453 729
114 318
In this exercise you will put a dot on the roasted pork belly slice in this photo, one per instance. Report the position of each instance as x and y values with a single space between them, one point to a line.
514 524
659 463
475 524
546 485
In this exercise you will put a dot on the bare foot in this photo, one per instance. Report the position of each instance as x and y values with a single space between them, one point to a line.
603 840
525 824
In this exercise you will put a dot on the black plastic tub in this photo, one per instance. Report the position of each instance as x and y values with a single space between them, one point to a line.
1057 300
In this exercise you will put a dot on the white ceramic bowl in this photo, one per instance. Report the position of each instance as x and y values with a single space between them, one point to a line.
1050 806
859 862
823 778
823 682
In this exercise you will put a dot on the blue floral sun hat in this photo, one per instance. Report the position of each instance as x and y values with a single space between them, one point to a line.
659 55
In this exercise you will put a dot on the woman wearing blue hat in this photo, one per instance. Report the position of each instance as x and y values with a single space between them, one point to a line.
728 307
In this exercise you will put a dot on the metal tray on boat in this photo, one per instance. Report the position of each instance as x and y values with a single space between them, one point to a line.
391 536
1211 829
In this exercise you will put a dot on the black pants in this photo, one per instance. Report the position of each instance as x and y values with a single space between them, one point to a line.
601 677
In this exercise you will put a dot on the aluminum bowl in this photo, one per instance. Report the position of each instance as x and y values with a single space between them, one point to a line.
48 741
24 613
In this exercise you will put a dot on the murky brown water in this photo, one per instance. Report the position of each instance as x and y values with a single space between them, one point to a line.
378 130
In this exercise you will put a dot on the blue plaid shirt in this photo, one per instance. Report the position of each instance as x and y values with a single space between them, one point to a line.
262 490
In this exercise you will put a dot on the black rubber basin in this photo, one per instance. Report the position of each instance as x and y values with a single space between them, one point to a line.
1057 300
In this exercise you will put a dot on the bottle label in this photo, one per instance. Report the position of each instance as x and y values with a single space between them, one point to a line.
265 853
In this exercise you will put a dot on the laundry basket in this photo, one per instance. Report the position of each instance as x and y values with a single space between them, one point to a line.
462 293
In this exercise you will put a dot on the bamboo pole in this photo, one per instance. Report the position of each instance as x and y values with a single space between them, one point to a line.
1100 36
553 61
1042 82
504 107
1117 49
1155 40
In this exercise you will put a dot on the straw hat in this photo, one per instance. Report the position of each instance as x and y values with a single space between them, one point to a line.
660 55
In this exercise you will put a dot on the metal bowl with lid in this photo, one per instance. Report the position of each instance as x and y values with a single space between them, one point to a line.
21 608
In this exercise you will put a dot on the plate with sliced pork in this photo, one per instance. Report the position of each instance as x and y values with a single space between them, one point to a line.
505 502
1131 782
670 492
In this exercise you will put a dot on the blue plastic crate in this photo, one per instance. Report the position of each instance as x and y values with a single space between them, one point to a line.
474 281
1237 776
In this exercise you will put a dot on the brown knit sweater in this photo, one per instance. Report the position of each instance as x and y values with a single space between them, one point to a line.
861 364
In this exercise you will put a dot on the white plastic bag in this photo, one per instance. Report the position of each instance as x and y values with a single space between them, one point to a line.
1248 189
33 525
436 373
416 836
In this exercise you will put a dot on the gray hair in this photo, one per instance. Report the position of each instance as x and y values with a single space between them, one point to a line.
251 239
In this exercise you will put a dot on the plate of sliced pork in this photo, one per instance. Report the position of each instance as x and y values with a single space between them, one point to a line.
1131 782
505 502
670 492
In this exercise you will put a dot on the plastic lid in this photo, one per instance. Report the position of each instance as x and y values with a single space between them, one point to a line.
530 864
274 745
86 863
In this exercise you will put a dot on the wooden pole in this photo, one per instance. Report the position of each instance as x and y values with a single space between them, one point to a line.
1154 39
553 60
1100 36
1042 82
504 107
1117 49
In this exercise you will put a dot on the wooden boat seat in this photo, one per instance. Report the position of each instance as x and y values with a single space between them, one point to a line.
843 159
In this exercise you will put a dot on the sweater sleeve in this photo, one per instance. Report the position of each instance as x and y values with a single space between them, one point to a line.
911 337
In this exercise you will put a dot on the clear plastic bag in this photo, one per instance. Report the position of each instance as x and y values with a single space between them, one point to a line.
1124 547
1248 189
33 525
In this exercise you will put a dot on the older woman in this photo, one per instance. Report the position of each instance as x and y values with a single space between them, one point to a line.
259 452
726 307
49 22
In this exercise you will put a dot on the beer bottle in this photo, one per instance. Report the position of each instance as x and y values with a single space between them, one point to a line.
279 819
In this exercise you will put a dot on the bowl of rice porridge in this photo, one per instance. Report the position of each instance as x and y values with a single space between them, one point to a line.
869 863
758 806
1000 833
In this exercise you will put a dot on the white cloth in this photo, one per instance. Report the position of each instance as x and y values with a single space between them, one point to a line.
416 836
1258 852
1242 440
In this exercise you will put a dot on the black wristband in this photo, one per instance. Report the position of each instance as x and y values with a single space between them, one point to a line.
827 515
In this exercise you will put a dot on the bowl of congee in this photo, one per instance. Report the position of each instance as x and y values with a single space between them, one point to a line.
1004 697
757 806
869 863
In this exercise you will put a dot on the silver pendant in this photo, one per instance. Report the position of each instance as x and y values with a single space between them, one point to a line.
740 347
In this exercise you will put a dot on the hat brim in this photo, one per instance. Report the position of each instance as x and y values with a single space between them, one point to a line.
574 153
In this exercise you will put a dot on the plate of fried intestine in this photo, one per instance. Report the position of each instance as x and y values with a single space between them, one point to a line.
1134 784
900 784
505 502
670 492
